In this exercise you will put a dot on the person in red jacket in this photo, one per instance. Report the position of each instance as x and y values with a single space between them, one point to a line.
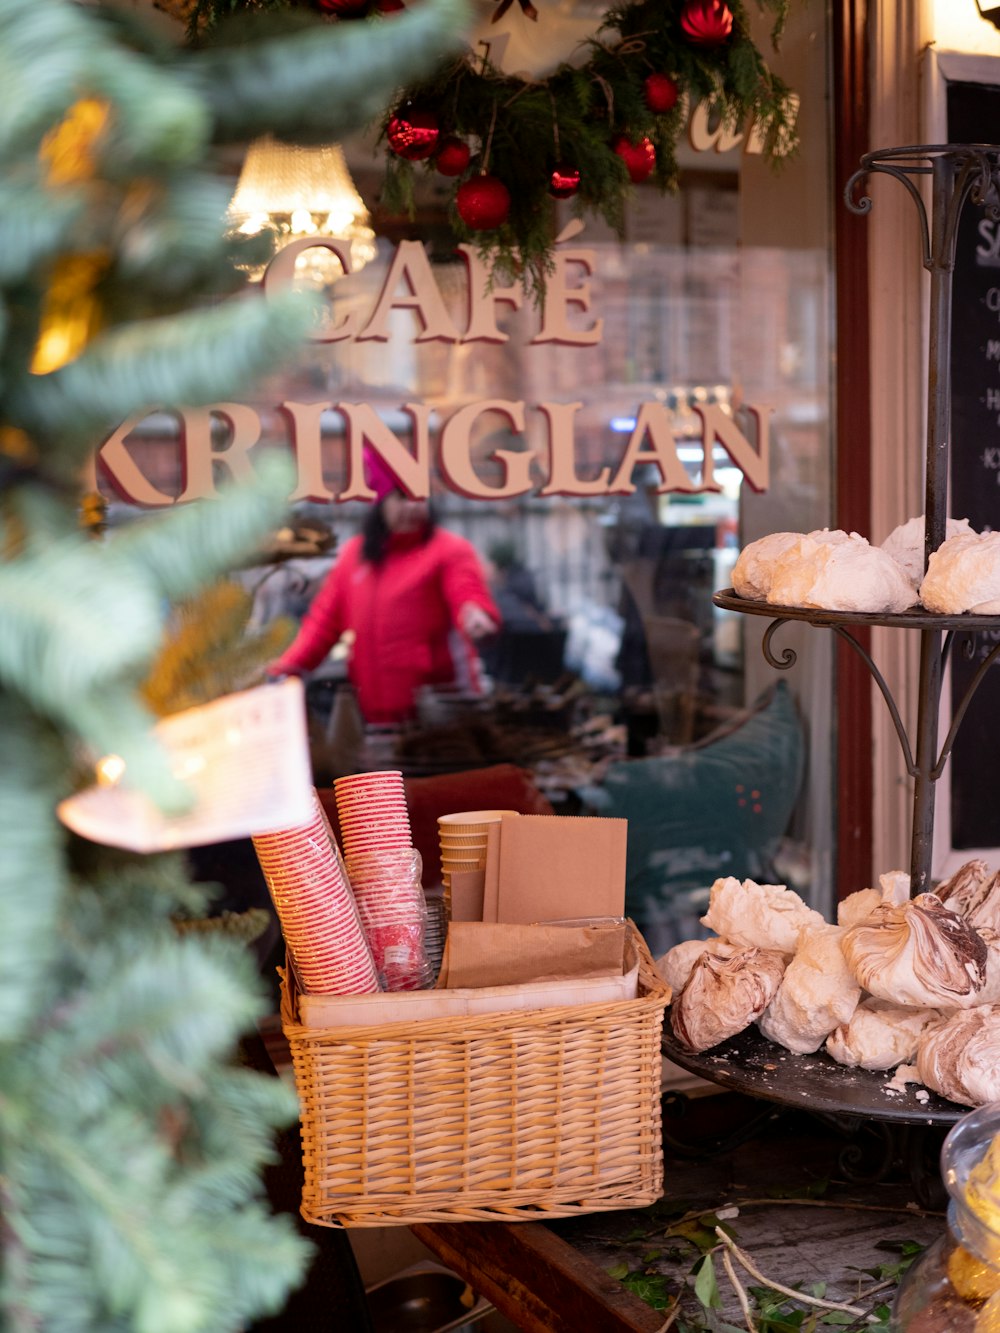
414 598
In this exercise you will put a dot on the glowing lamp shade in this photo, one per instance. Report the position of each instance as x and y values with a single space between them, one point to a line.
294 192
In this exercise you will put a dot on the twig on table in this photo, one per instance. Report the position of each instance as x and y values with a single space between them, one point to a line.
737 1286
671 1318
794 1295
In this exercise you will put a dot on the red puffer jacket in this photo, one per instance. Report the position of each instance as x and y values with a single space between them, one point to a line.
403 612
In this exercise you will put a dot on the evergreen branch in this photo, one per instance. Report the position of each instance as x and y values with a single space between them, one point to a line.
183 359
213 540
284 86
33 879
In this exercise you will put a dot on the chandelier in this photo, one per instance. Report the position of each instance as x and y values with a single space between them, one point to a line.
294 192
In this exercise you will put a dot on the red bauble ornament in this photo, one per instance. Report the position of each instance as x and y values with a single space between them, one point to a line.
483 202
453 156
389 6
661 93
706 22
413 134
564 181
343 8
639 158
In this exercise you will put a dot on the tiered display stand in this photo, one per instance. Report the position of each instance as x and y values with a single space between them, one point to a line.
954 175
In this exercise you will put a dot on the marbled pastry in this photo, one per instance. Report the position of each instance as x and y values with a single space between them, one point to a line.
725 995
817 993
675 965
960 1058
973 893
920 954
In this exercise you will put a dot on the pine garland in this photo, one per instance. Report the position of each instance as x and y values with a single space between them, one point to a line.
519 130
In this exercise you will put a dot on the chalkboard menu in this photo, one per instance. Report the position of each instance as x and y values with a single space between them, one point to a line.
974 117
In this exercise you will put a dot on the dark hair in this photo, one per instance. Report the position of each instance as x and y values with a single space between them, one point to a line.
375 532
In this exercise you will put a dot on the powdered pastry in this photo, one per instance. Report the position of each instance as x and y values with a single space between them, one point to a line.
906 544
974 894
848 575
765 916
920 954
961 1058
752 571
725 995
817 993
895 887
880 1035
676 964
963 574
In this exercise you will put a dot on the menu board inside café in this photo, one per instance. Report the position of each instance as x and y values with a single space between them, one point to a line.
974 118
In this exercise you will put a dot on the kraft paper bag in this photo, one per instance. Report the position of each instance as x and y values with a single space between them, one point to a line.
559 868
480 953
467 889
491 886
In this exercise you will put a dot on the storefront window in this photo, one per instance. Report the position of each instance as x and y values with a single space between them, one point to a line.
715 308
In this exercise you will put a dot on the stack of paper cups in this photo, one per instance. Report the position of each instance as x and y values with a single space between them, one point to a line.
371 808
384 870
462 837
318 914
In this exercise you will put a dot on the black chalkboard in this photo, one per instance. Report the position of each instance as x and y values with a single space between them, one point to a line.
974 117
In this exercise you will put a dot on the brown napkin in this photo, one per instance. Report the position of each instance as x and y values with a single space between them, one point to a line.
482 953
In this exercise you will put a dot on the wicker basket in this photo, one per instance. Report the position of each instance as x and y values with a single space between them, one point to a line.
510 1116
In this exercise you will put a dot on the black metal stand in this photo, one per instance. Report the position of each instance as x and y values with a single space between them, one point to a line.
958 172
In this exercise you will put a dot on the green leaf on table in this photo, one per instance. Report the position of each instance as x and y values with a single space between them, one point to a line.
840 1317
652 1256
619 1271
700 1231
812 1189
706 1286
649 1287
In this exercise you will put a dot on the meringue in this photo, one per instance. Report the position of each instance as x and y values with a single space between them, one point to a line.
963 574
974 894
960 1058
848 575
676 964
724 995
816 995
857 906
767 916
920 954
880 1035
906 544
755 563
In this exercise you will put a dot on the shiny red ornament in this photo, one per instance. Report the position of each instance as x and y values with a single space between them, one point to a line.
413 134
706 22
661 93
483 203
564 181
343 8
453 156
389 6
639 158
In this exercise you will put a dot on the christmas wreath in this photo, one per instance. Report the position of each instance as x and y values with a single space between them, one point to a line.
590 131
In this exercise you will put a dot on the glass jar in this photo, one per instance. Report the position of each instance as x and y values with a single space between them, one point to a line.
954 1287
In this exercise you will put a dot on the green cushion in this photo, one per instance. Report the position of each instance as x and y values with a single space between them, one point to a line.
719 807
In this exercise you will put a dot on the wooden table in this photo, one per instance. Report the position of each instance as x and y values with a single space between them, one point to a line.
537 1280
799 1219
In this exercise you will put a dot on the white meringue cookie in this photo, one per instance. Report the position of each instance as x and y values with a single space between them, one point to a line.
816 995
906 544
754 564
848 575
857 906
880 1035
765 916
963 574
